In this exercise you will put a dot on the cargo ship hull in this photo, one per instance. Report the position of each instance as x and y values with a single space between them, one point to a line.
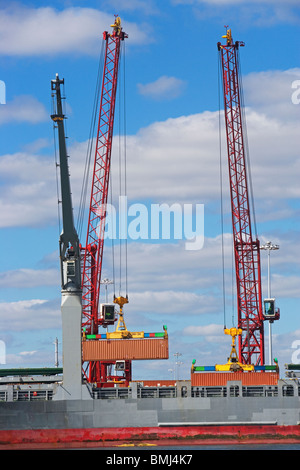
155 414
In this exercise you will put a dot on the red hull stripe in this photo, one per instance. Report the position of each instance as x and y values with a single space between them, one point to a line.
156 435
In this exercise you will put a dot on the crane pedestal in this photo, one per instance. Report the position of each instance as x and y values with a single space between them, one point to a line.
72 387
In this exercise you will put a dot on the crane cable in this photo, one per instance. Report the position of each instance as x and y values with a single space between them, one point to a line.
123 250
56 168
233 313
122 162
86 174
246 144
221 191
246 150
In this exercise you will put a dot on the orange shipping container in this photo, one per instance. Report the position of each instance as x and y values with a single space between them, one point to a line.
157 383
214 379
125 349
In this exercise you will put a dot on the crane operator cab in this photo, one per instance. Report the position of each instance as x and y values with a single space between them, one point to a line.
107 314
270 312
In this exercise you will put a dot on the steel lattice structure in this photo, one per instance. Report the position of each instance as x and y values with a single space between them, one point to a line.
246 248
93 251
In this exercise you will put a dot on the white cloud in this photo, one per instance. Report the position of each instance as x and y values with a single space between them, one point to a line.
164 88
35 358
27 353
28 278
270 93
35 314
36 146
175 161
23 108
286 286
170 266
27 197
211 330
180 159
172 302
167 155
29 31
251 12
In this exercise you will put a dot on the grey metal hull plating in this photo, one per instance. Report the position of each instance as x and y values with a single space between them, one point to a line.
148 411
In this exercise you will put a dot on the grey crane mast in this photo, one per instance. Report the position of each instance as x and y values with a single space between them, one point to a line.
69 252
68 242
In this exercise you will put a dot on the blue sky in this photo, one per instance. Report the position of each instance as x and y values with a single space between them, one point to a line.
172 116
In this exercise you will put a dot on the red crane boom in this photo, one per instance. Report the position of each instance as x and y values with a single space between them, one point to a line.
246 248
93 251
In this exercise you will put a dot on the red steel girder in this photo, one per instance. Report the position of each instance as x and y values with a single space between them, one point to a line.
246 249
93 252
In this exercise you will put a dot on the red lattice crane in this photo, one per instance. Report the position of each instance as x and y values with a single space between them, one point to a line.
93 251
246 248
